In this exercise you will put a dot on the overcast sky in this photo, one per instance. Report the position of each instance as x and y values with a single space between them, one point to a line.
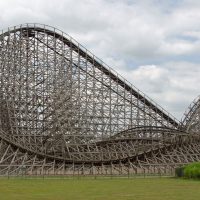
153 43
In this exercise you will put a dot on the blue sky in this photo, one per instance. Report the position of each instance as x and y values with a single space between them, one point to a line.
153 44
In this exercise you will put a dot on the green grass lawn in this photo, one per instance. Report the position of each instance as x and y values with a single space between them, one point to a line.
100 189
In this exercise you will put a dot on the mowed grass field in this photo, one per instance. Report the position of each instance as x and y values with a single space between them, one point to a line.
100 189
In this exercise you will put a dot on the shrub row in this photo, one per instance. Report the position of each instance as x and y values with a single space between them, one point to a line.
189 171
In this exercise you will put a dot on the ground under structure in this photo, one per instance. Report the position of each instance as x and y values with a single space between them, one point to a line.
63 111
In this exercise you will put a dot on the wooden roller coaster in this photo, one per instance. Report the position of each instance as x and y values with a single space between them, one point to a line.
64 111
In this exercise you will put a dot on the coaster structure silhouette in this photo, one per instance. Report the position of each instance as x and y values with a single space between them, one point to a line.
64 111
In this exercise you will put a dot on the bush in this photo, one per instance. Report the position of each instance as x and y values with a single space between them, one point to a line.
192 170
189 171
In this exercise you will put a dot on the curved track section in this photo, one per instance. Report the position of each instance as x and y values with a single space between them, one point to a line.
191 122
62 110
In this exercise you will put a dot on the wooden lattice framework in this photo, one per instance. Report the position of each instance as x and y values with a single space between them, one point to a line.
64 111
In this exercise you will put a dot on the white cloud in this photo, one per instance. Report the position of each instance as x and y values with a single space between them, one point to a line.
174 85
